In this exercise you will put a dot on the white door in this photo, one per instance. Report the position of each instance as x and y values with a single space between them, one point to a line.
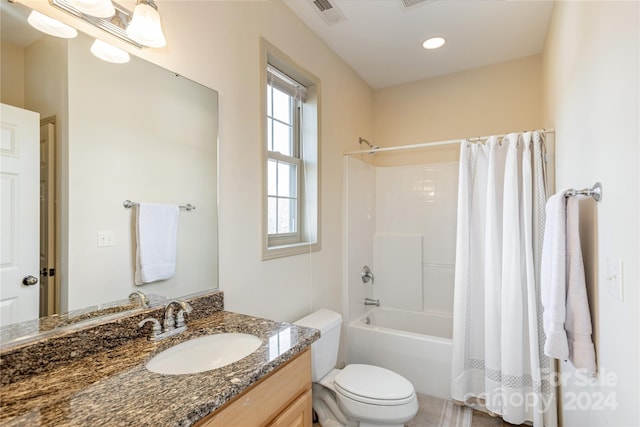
19 214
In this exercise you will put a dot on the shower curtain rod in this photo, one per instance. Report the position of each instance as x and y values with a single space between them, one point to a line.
434 144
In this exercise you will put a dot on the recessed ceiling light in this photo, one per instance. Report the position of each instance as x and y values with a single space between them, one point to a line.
433 43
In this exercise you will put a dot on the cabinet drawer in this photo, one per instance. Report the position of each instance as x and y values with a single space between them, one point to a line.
298 414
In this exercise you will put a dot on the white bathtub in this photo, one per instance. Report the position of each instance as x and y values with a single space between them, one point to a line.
417 345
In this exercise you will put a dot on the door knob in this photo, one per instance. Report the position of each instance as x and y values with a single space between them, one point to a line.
29 281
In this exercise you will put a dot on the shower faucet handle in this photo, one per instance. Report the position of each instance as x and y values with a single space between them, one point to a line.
366 274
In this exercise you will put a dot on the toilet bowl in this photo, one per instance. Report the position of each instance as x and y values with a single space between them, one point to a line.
357 395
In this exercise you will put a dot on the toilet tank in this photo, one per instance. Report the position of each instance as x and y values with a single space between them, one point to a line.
324 352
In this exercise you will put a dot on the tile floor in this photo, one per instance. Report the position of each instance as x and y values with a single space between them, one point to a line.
480 419
430 412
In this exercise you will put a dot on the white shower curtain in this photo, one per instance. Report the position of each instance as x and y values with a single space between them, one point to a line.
497 333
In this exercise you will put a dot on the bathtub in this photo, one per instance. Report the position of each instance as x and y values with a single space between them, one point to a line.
417 345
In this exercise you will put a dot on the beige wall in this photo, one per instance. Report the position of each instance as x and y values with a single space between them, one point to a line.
11 74
493 99
218 44
591 96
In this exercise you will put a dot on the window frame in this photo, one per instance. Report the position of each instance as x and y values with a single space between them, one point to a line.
307 236
278 239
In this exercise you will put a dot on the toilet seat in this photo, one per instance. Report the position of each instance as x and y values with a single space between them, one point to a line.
374 385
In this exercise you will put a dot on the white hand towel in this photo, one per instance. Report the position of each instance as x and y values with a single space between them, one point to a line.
553 278
578 321
156 233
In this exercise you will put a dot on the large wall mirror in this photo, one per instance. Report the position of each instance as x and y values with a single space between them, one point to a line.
120 131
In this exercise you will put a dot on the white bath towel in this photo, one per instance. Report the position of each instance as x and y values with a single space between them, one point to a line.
156 233
567 322
578 320
553 278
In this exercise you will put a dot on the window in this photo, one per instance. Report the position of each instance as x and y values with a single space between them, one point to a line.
290 214
284 99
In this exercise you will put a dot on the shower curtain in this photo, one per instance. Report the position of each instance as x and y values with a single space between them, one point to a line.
498 357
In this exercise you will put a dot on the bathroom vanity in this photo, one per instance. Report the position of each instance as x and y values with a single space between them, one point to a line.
97 376
281 399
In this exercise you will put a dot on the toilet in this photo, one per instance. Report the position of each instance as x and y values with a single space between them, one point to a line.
357 395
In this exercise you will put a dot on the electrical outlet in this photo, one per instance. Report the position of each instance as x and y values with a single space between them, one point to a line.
614 277
105 238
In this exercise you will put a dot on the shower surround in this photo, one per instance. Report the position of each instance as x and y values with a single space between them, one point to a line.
401 222
389 208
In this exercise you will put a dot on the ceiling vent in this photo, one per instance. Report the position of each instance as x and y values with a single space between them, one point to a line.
329 12
411 3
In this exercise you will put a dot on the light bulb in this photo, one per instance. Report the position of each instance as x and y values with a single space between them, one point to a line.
145 27
109 53
50 26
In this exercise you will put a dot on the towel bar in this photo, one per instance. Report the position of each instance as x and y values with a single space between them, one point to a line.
129 204
595 192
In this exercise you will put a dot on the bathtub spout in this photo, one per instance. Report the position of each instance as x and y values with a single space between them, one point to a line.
371 301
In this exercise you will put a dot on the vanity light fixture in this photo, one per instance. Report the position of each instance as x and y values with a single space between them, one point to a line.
139 28
109 53
434 43
97 8
145 26
53 27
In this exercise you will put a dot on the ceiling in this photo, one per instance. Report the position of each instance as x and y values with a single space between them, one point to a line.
382 39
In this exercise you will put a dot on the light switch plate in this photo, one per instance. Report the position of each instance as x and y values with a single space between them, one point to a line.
614 277
105 238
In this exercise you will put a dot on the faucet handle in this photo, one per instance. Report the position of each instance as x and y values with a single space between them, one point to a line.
366 274
156 330
144 300
186 308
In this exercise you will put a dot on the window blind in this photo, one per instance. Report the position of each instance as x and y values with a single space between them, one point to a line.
286 84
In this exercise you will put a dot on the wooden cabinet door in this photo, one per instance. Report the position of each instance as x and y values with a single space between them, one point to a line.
298 414
269 399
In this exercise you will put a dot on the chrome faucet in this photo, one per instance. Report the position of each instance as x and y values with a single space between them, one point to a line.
173 324
138 295
371 301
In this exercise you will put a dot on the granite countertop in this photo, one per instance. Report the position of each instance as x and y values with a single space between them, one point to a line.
24 332
113 388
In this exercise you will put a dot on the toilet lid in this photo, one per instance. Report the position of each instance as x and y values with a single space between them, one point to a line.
373 384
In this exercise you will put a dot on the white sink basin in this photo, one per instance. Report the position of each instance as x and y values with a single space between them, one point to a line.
204 354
